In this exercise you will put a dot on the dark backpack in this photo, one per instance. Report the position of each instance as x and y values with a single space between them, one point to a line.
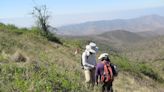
114 69
108 74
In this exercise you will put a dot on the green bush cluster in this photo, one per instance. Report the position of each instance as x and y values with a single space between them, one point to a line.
136 68
148 71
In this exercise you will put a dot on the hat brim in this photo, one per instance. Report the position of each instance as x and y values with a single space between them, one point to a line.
103 55
94 50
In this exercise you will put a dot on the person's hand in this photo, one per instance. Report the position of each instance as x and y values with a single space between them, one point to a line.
94 67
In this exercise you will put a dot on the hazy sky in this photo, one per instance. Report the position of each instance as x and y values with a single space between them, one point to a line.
76 11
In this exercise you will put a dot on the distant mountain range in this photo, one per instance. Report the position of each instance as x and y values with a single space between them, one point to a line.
115 39
121 36
141 25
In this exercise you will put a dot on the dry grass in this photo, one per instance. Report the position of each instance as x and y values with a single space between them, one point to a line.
125 82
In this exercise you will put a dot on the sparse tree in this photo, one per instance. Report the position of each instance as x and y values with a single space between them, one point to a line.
42 17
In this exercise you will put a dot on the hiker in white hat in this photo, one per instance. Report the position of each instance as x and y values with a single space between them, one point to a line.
89 63
105 73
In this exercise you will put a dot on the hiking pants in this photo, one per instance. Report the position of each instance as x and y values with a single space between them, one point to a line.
90 76
107 87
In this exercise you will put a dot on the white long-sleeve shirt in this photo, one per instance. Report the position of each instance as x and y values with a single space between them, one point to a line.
88 60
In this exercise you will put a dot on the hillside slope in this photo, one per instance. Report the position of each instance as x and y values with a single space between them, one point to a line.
47 66
121 36
29 62
116 39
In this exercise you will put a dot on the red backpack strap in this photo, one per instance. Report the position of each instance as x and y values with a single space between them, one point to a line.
108 72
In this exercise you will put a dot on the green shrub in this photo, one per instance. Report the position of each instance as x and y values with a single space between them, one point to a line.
52 37
146 70
136 68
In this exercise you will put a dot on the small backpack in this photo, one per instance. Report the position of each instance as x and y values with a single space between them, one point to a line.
114 69
108 74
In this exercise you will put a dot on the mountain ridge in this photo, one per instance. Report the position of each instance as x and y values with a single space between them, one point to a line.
139 24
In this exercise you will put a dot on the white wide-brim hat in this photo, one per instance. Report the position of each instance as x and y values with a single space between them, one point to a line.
103 55
92 47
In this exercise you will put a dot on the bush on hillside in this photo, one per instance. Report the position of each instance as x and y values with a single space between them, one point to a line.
51 37
136 68
146 70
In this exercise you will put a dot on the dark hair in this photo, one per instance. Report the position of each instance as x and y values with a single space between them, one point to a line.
105 58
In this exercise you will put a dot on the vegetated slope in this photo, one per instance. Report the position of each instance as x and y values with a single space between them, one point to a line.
116 39
150 34
47 66
139 49
121 36
29 62
150 51
140 24
131 71
136 48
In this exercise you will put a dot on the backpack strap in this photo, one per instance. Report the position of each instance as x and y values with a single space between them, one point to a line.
108 72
